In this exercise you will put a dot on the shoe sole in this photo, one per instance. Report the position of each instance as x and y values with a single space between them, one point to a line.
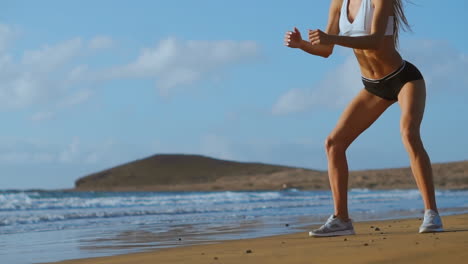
433 230
337 233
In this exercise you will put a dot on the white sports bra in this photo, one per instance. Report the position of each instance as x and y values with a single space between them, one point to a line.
361 25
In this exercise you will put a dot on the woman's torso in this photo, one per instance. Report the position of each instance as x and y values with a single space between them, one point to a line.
375 63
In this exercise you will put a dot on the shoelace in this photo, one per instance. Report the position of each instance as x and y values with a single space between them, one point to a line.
327 224
429 218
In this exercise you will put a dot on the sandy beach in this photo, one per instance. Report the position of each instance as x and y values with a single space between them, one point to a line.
390 241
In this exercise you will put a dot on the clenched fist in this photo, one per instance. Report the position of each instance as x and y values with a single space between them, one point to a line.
293 39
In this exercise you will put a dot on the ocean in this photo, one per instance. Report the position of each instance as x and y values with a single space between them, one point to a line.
45 226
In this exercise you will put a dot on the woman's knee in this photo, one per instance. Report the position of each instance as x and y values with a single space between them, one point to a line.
334 144
410 136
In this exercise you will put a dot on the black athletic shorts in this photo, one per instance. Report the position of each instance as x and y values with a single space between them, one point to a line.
389 86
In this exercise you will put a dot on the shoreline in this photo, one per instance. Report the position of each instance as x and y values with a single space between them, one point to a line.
386 241
176 189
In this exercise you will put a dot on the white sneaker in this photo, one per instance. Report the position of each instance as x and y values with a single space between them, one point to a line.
334 227
431 223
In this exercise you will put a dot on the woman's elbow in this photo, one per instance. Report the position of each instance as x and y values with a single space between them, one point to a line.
326 55
327 52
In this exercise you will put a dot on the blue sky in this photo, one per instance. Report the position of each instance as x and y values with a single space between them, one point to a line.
87 85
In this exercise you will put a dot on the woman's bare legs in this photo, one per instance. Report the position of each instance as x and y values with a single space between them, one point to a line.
363 110
412 100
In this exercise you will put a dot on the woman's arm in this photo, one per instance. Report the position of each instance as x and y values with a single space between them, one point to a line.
382 9
293 38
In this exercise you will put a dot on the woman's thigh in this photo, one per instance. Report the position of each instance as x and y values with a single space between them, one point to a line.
412 100
361 112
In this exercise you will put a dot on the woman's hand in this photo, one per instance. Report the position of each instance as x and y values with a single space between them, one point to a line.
319 37
293 39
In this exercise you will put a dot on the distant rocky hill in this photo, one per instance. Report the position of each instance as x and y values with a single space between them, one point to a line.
199 173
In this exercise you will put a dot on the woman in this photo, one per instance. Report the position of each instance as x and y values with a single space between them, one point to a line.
370 28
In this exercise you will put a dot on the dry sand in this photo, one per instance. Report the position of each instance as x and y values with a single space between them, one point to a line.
391 241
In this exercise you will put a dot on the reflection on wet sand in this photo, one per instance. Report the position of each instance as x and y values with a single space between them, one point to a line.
176 235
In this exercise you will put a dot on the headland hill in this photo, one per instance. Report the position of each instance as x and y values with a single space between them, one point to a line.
176 172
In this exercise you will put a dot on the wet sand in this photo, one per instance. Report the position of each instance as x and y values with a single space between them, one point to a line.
390 241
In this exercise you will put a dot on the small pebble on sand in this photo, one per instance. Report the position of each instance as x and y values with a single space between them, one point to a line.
248 251
377 229
365 244
345 239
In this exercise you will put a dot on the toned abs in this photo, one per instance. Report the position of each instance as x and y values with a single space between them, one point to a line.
378 63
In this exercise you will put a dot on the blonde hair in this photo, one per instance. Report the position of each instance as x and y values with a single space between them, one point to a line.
400 20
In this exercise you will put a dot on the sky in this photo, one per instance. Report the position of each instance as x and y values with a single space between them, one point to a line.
87 85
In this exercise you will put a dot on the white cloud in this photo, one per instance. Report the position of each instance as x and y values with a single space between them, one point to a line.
101 153
216 146
75 152
49 77
175 63
40 76
76 98
78 73
67 101
25 152
100 42
294 100
26 158
50 58
71 153
335 90
41 116
442 65
7 34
